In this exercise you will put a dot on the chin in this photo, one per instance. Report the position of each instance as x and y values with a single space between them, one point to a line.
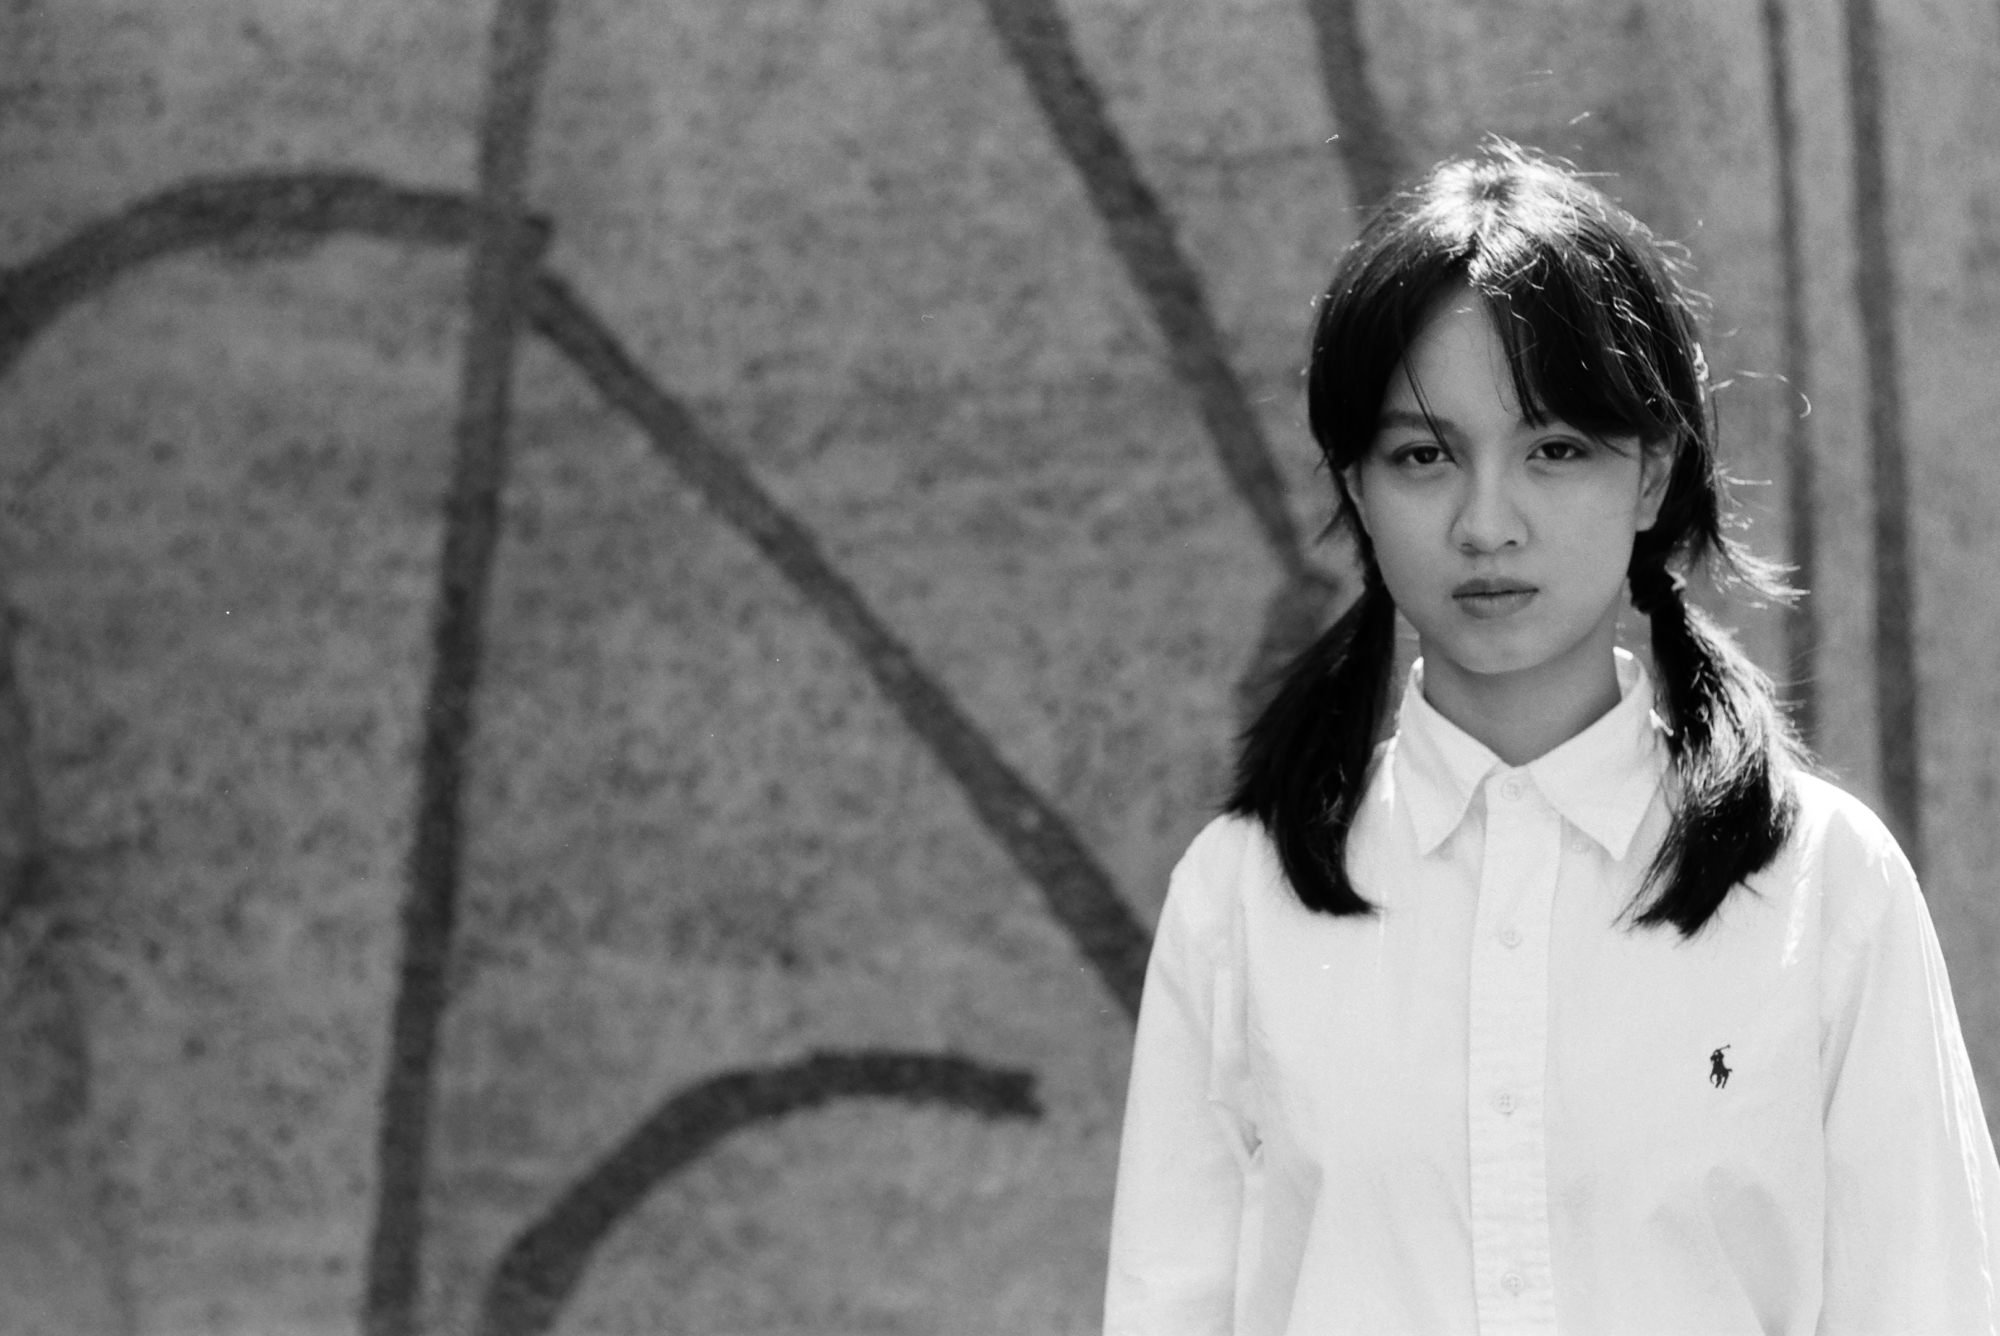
1498 656
1497 665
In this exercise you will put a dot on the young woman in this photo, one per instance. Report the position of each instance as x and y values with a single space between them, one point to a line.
1579 1004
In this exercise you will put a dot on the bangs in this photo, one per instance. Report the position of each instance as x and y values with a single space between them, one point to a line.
1582 347
1596 330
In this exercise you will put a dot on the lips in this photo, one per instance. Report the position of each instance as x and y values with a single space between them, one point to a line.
1490 596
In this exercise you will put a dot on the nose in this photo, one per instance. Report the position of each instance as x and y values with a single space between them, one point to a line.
1489 517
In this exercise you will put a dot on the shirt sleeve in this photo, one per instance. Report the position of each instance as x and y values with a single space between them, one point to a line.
1176 1216
1912 1188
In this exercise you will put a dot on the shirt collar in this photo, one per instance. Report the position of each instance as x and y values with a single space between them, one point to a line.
1601 781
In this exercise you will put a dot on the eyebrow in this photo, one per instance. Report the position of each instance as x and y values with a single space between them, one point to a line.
1403 417
1392 418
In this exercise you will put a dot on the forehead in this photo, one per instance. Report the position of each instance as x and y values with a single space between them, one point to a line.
1456 366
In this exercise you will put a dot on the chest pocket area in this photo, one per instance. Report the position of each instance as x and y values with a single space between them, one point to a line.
1692 1072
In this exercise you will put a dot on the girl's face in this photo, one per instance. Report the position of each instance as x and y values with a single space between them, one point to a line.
1505 544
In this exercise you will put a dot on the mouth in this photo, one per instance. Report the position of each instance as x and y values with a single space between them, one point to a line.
1489 597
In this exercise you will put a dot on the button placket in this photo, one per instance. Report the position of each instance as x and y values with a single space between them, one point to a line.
1507 1034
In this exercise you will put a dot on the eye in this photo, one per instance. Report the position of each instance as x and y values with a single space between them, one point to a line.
1417 454
1562 448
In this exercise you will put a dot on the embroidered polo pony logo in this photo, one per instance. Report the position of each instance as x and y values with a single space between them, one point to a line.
1718 1071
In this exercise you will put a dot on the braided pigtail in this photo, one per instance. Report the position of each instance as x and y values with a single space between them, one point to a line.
1729 749
1304 762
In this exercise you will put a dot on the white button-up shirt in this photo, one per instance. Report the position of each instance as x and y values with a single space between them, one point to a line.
1494 1107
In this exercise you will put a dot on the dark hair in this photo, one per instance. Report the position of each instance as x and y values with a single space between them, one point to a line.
1599 333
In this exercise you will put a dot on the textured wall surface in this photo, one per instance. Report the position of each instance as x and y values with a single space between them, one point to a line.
614 613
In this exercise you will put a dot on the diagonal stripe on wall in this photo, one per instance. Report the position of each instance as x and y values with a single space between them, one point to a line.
1037 38
1368 147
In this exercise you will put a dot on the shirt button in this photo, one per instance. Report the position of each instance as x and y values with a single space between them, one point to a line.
1580 843
1504 1101
1511 1282
1513 789
1510 937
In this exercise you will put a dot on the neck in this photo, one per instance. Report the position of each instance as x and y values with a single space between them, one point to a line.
1522 715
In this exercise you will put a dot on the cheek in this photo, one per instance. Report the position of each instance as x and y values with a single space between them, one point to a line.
1596 549
1603 515
1411 548
1385 517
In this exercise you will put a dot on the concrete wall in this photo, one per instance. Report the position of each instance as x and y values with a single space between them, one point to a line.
903 463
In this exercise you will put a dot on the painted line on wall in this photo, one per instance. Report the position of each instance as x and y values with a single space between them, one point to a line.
51 1094
542 1267
1368 148
1802 631
1142 234
504 253
1079 893
24 883
212 211
1037 39
1896 707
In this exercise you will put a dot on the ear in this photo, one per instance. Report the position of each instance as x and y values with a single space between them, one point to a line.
1656 469
1350 484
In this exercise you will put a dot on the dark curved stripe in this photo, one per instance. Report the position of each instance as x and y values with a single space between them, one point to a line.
205 212
1037 37
505 252
1078 892
1875 296
1368 148
543 1265
1802 632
